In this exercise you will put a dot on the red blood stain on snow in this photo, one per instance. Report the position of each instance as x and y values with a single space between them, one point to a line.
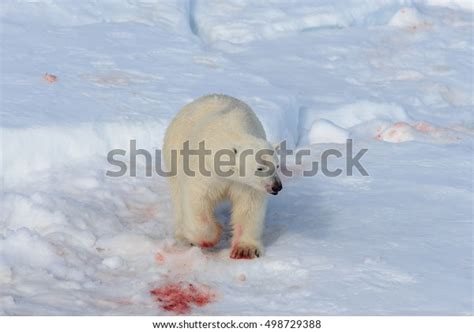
50 78
424 127
400 124
159 258
181 297
396 132
149 212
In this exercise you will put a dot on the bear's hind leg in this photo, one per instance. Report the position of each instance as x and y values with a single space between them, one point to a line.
200 225
177 209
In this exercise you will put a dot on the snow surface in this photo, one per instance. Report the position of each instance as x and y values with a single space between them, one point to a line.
395 76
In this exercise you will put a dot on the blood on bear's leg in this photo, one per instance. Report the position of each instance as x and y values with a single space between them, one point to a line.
210 233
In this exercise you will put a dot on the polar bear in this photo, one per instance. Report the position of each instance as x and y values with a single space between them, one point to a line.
228 129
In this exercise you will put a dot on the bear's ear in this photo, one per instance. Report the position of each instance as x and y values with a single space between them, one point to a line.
277 146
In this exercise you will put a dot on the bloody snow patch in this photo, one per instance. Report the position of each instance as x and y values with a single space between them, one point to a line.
181 297
50 78
421 131
159 258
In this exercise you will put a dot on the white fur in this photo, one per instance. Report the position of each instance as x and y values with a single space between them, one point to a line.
222 122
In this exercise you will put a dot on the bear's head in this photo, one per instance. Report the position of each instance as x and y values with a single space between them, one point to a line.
255 164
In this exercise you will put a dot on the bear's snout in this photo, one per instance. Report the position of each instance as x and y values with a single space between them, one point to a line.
275 187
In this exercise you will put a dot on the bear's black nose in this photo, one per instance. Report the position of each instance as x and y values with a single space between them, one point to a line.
276 187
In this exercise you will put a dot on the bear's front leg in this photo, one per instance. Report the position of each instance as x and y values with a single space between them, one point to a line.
248 214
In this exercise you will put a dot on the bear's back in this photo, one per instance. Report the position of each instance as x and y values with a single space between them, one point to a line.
212 111
208 106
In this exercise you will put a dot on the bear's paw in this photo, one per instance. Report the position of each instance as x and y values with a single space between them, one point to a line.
245 251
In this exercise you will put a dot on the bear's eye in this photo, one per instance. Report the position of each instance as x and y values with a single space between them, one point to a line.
278 166
235 150
260 169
